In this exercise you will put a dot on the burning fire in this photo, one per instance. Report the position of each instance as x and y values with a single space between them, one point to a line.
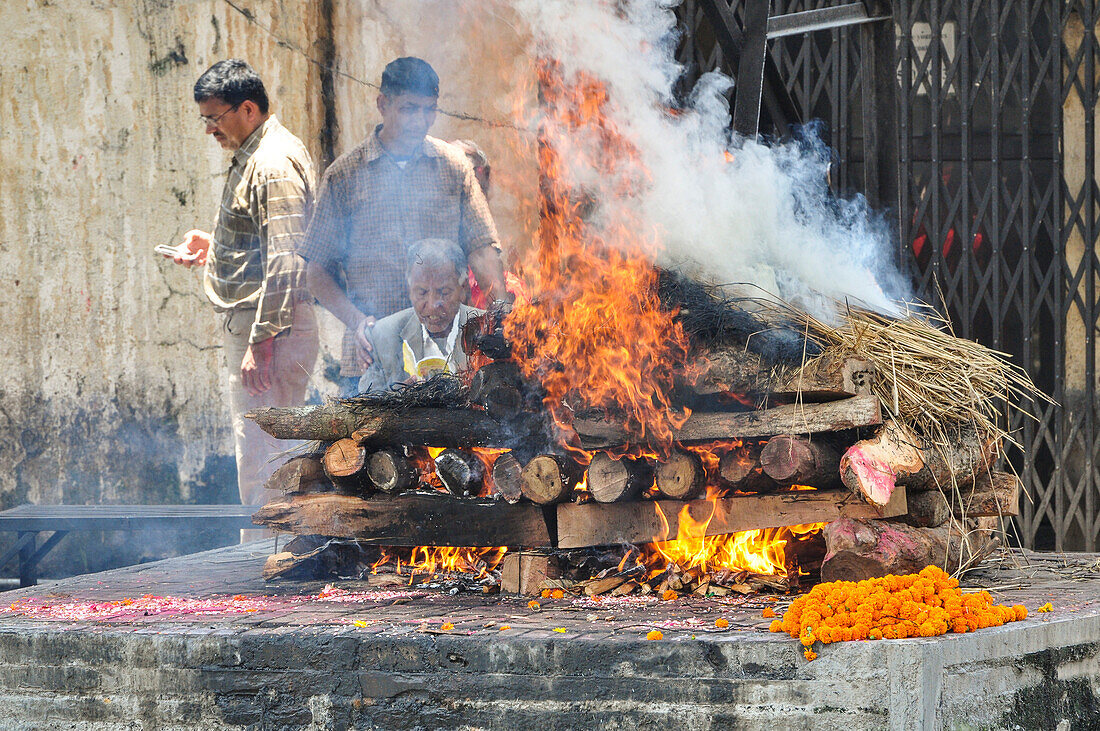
761 551
593 331
425 561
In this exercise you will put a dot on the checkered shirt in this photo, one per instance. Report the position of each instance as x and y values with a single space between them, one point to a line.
370 210
253 261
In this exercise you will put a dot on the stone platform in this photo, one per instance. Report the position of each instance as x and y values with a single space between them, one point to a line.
230 651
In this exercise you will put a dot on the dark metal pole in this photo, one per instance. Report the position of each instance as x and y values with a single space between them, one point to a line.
750 69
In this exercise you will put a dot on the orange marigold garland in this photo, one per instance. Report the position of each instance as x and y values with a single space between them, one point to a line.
927 604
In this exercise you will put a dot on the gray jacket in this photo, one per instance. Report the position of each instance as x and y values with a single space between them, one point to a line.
387 336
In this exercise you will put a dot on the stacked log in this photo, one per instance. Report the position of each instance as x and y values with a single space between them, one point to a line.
374 481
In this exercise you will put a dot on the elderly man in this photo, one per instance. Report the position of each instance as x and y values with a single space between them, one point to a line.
426 338
399 186
253 275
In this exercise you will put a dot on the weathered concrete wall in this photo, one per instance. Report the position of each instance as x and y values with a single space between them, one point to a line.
111 389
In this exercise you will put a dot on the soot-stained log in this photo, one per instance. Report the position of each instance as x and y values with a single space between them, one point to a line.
300 474
344 458
612 480
373 427
681 477
549 478
799 460
507 477
496 387
733 369
861 549
414 519
391 471
710 426
643 521
896 456
740 469
460 472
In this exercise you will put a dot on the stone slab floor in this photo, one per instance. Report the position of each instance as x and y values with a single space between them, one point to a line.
201 642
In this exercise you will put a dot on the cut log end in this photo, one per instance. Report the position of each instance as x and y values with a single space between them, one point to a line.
460 472
548 479
507 477
390 471
799 460
681 477
613 480
344 458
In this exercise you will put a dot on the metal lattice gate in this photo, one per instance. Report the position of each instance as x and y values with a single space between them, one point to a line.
995 191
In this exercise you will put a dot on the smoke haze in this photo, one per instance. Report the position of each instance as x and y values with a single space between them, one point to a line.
766 217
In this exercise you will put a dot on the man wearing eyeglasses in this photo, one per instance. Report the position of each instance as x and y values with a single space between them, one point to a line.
396 188
253 274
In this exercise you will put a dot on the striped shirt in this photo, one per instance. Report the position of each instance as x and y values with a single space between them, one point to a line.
371 207
253 261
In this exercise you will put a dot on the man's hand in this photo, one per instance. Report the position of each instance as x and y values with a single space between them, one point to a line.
193 249
256 366
363 349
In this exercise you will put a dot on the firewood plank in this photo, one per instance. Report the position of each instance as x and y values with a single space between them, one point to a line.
420 426
790 419
408 520
597 524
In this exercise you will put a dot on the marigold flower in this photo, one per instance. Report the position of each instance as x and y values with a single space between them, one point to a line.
776 626
446 626
655 634
533 605
767 613
504 627
810 655
1048 607
545 594
557 594
721 623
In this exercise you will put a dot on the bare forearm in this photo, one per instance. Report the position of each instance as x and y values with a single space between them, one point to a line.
488 268
331 296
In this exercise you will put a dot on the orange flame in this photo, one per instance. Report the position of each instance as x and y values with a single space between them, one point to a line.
593 331
760 551
426 561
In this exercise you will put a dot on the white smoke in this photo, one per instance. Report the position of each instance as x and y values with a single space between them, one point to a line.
766 218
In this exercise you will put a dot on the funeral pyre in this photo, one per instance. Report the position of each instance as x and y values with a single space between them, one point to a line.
626 428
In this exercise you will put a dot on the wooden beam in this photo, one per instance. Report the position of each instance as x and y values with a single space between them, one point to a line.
421 426
595 524
790 419
409 520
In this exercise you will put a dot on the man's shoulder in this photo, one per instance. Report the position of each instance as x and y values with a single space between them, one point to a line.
279 151
451 156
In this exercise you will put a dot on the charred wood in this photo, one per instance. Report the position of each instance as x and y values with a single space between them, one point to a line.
507 477
389 470
415 519
461 472
791 419
371 426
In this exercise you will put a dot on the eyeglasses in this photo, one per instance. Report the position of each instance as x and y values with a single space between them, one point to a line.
208 121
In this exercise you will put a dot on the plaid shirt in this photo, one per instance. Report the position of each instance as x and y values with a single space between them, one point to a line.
253 262
370 209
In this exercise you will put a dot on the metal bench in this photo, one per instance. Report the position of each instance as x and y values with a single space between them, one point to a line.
30 520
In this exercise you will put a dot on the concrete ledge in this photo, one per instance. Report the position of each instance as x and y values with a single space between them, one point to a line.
304 670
